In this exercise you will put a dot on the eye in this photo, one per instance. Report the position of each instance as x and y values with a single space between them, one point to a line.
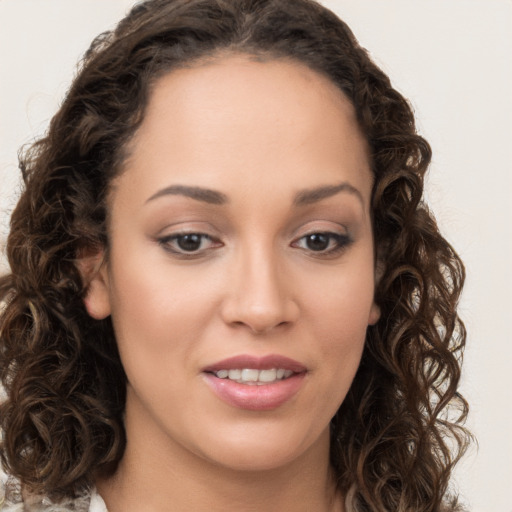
323 242
188 243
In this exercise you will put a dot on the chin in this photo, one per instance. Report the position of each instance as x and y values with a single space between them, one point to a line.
265 450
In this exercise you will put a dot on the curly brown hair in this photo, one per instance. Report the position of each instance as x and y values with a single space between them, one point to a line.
395 439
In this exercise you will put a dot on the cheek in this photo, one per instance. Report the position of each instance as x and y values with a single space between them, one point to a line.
337 323
340 333
342 299
338 315
156 315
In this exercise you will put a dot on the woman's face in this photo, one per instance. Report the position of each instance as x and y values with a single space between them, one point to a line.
240 274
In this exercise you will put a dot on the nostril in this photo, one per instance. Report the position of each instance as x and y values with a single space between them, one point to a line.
259 328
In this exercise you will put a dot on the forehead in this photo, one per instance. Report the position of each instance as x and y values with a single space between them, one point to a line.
245 90
237 118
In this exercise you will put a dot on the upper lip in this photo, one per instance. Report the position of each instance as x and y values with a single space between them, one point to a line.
256 362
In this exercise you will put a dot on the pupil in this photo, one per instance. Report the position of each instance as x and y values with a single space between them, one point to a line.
189 242
318 242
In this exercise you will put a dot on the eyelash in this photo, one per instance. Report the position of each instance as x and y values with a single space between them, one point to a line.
336 243
170 244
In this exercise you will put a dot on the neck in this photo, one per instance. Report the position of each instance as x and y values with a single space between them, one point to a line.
165 476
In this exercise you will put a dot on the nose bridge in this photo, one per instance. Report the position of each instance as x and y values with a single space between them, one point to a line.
260 293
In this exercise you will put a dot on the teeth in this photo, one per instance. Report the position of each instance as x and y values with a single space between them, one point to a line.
268 375
235 374
249 375
254 377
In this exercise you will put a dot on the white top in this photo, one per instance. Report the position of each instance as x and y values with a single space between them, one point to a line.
11 500
97 504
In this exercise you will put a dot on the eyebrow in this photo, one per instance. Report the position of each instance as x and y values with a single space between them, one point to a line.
302 198
205 195
313 195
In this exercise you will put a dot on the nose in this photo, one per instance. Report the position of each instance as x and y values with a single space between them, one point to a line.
259 294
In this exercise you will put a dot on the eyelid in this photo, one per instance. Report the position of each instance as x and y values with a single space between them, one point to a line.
320 226
341 242
338 233
166 242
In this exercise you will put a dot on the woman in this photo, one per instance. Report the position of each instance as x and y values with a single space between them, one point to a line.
226 292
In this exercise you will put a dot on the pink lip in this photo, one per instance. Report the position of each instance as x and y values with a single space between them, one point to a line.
253 397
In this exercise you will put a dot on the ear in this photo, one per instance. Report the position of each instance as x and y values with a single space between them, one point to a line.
374 315
375 312
95 276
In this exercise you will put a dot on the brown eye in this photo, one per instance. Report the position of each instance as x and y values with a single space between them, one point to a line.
317 241
323 242
189 243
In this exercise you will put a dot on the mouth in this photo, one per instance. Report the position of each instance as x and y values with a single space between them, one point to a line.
255 383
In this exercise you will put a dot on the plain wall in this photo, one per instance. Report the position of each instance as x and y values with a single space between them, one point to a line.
452 59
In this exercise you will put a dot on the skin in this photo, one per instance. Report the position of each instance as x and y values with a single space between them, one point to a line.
262 135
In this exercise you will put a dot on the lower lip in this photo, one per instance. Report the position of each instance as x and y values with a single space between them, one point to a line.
253 397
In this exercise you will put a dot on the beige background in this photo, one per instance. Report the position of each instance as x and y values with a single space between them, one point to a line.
452 59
